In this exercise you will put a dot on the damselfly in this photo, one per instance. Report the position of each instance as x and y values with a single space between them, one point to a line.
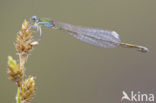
93 36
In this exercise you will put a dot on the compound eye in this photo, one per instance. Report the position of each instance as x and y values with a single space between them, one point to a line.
34 18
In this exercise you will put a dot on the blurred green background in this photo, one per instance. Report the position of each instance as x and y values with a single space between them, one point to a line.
70 71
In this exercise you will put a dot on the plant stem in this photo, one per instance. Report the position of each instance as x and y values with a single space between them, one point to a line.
18 95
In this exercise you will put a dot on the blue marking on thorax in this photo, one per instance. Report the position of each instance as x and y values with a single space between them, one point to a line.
47 24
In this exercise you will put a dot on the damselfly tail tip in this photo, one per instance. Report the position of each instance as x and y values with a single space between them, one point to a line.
143 49
139 48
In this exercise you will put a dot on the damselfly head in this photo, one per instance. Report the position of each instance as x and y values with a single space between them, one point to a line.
33 19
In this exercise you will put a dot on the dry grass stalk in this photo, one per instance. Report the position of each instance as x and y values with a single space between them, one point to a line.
24 45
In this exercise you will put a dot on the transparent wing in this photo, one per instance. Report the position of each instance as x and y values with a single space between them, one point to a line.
96 37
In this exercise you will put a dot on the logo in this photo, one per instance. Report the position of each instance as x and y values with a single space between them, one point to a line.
137 97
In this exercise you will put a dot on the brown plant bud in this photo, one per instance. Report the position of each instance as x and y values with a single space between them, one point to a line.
24 42
14 70
27 90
